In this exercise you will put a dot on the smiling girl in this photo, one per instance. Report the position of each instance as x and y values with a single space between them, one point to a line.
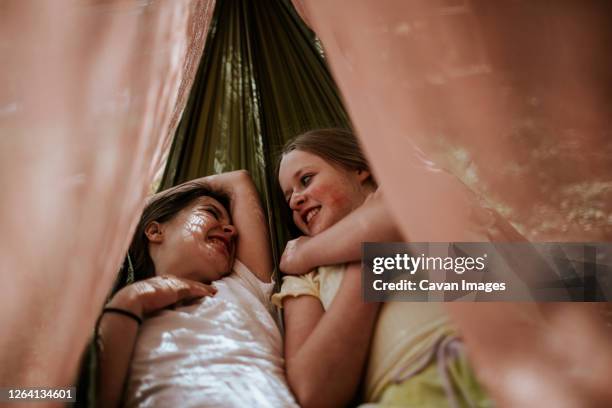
415 357
172 338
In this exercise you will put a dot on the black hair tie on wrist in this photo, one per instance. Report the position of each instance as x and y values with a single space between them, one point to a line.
123 312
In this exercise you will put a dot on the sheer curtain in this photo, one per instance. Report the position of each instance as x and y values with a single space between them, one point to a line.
91 93
514 99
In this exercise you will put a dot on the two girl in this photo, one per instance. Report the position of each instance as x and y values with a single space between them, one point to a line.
226 350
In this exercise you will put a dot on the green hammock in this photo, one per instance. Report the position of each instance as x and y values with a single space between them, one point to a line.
261 81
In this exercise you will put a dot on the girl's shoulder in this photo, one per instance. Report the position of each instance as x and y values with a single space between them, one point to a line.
240 272
322 283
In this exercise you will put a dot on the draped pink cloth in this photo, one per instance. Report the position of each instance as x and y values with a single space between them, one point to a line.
91 93
489 77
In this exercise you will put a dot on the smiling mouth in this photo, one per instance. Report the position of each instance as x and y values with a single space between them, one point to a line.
220 242
311 214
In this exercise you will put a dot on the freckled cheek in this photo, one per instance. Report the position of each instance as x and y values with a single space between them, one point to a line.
334 198
340 199
194 228
192 237
206 249
209 249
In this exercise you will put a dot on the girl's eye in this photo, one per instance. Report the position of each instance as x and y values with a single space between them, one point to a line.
212 211
305 179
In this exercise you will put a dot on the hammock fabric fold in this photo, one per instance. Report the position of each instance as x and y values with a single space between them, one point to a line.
262 80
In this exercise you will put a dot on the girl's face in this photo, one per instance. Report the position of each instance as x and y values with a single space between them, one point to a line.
198 243
319 193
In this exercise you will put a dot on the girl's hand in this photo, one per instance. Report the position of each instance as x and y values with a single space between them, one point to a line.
293 260
150 295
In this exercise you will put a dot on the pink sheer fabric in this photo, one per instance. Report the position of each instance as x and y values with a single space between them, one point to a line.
91 92
490 91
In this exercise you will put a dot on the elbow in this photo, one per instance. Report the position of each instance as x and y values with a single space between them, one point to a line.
242 174
242 178
306 398
307 392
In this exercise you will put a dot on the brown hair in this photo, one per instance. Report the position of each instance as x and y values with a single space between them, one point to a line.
162 207
335 145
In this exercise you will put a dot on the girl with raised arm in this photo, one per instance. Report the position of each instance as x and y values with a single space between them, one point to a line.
196 328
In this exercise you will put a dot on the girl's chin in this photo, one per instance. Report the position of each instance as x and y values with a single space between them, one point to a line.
316 229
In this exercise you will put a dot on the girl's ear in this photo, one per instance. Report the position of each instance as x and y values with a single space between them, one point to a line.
154 232
363 176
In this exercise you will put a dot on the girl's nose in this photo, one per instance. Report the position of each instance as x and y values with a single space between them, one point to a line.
229 230
297 200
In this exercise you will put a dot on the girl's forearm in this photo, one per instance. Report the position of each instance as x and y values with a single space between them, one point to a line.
341 242
225 181
116 338
327 368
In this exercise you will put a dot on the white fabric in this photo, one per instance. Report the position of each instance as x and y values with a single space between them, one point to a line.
223 351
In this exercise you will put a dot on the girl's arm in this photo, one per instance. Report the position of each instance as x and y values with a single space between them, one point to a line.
116 338
117 333
253 242
341 242
325 352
